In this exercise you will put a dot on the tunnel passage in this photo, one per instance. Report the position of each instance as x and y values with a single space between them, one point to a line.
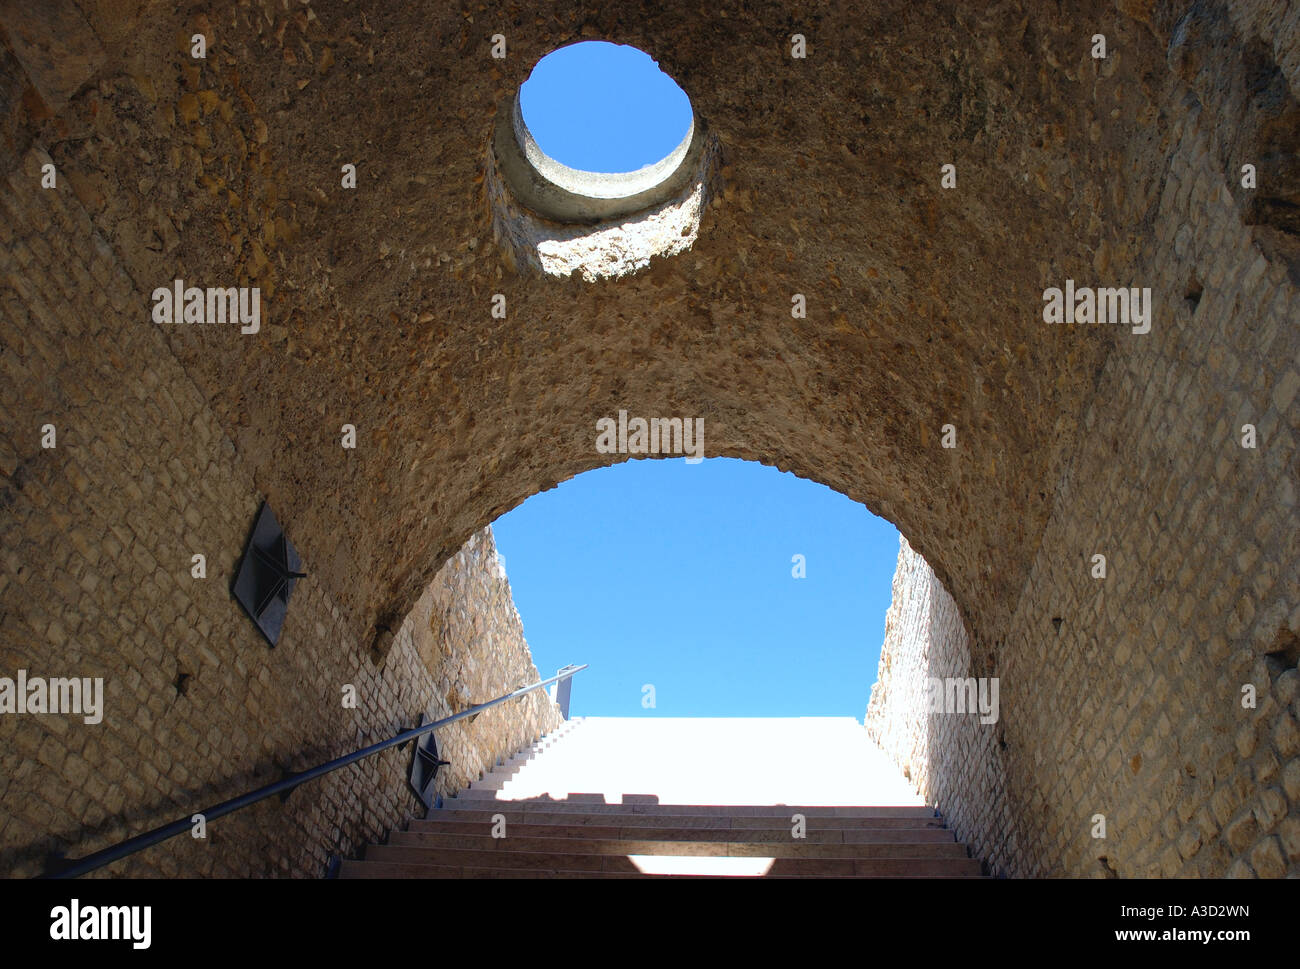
923 302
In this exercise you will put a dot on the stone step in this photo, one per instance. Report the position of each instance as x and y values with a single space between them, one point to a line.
595 804
527 755
539 745
719 847
573 861
491 782
864 822
814 823
385 869
717 830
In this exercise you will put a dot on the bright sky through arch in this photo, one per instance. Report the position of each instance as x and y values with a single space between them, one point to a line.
680 576
602 107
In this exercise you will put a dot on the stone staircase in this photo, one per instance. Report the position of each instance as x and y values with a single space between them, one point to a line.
728 797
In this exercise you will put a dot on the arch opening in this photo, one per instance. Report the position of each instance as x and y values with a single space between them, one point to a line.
758 593
697 609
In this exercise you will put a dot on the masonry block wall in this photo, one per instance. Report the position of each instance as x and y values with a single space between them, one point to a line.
1216 802
98 537
1129 696
1131 705
952 759
469 640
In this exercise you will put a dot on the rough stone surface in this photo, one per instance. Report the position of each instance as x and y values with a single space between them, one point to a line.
951 759
469 637
924 309
1219 812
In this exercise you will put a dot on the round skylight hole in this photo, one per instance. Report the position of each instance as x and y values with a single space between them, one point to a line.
604 108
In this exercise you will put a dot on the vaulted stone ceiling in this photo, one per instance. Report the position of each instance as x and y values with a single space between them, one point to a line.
924 304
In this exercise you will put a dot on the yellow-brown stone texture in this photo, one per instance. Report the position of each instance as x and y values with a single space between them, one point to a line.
924 310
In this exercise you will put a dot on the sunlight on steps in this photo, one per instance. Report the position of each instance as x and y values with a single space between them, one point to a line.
698 865
796 760
675 797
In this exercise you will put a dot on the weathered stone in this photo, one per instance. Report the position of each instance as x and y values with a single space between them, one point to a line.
57 47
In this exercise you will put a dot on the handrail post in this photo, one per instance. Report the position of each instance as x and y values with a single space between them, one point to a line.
563 689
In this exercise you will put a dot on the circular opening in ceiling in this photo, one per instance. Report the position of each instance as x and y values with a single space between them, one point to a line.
604 108
618 171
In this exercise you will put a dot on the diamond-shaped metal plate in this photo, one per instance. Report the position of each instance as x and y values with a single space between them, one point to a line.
424 767
266 574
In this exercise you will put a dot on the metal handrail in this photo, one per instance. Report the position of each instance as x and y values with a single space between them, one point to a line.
73 868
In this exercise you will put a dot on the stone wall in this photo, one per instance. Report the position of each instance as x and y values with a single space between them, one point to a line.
951 758
469 637
95 581
1179 799
1127 696
1123 695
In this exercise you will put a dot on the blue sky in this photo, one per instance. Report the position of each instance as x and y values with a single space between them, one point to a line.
659 572
677 575
604 107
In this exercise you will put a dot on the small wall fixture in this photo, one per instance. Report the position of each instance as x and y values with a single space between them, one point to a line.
424 768
266 574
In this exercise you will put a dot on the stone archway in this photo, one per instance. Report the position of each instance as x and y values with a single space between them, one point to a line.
831 190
